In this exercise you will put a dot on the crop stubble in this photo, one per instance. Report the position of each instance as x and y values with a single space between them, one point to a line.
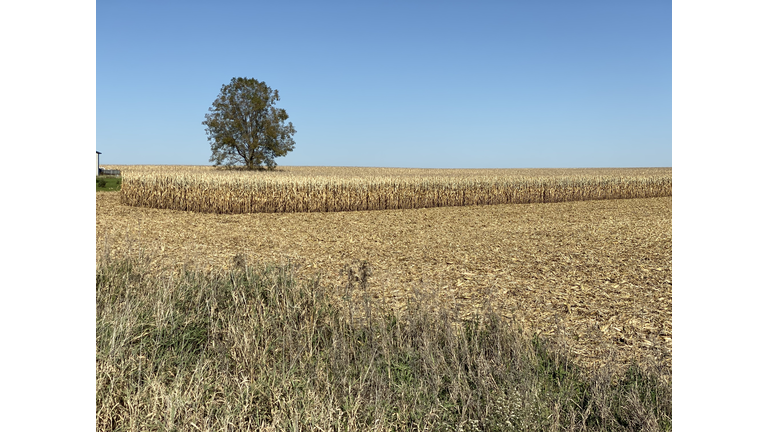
595 274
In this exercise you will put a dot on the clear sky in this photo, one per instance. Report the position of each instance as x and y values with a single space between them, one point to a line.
494 84
520 80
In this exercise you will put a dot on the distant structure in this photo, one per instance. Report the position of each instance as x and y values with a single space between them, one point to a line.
100 171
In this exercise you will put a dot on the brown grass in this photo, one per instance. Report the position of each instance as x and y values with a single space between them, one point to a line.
591 272
255 349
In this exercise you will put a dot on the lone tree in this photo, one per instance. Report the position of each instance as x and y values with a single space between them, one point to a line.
244 127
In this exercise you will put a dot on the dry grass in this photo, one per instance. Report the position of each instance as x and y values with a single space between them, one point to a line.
596 273
324 189
255 349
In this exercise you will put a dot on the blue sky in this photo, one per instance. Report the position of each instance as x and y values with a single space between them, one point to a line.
61 100
412 84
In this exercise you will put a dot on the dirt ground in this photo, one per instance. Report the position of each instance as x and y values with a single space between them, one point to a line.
595 275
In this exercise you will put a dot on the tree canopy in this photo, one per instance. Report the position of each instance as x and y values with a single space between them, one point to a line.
244 127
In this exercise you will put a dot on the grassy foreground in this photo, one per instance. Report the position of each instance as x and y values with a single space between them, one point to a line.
255 349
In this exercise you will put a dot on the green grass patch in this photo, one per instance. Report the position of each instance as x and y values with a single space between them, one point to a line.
108 183
252 349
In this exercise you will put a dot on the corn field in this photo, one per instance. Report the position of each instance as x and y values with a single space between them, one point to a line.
325 189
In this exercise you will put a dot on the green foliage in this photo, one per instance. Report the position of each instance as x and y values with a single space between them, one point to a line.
108 183
244 126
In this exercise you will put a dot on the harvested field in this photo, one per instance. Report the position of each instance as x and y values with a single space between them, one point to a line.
597 274
328 189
